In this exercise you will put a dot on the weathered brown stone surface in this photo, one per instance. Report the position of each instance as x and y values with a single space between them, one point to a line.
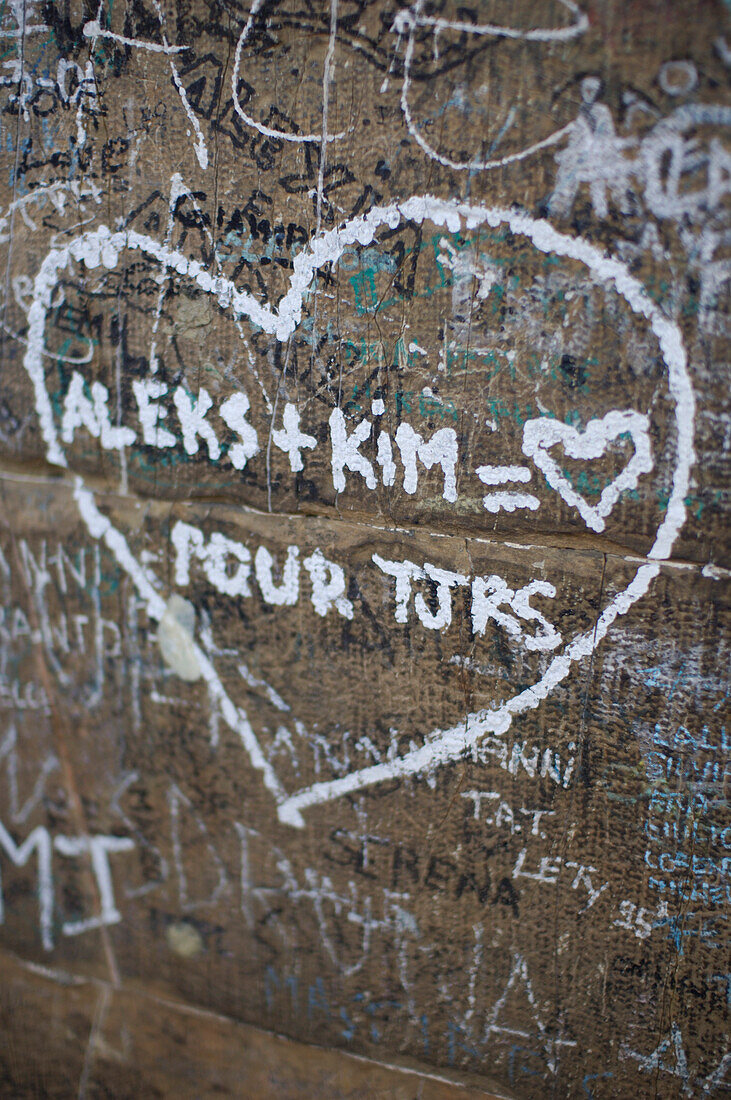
474 331
363 510
513 910
105 1041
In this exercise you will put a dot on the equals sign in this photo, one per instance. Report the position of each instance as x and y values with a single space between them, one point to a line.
506 501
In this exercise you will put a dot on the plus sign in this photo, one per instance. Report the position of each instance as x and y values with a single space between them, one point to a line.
290 439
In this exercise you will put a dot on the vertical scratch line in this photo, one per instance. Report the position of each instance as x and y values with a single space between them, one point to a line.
200 144
327 76
11 208
98 1023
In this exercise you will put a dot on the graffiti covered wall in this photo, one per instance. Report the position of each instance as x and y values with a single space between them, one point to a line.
363 456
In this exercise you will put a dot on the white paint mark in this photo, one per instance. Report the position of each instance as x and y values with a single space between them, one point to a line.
291 439
445 580
201 151
651 1063
20 11
345 450
9 751
175 638
724 52
267 131
548 870
147 391
94 29
638 920
188 541
404 572
327 77
715 572
440 450
99 848
668 158
92 414
408 21
286 593
233 413
384 457
541 434
594 155
489 594
184 939
466 267
509 502
274 697
38 841
583 878
717 1076
678 77
219 551
176 801
192 417
56 194
499 475
518 978
506 501
328 585
100 527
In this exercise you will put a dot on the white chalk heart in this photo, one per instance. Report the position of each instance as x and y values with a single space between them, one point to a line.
103 247
543 433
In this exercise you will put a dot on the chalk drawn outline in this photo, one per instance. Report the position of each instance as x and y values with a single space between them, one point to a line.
282 135
543 433
103 247
409 19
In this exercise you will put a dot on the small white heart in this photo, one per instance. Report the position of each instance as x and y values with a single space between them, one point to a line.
544 432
